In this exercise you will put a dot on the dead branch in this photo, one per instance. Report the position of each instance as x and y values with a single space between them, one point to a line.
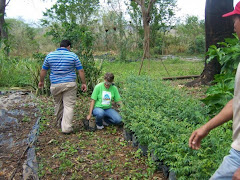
180 77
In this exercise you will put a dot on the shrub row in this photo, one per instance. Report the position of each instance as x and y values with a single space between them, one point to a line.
163 118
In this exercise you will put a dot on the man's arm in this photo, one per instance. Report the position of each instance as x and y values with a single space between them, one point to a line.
119 104
236 175
43 73
225 115
82 77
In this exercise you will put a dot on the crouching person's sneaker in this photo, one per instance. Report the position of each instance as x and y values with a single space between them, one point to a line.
100 127
105 124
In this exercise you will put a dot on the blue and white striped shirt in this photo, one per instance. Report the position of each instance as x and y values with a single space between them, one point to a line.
62 64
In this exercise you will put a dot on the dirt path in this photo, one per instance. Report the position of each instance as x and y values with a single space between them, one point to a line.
102 154
81 155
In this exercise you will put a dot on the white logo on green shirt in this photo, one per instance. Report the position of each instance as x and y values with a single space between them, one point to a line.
106 97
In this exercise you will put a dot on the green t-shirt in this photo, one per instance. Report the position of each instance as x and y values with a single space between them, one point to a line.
104 96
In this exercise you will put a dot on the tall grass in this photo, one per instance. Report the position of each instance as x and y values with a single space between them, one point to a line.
22 72
156 69
17 72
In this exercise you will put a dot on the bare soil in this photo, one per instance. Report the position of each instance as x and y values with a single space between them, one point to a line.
83 154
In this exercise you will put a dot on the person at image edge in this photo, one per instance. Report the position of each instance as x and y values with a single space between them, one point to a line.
230 167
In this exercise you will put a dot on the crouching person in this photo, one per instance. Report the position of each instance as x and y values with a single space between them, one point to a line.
101 104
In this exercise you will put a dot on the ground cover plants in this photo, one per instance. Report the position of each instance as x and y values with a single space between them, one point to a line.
99 152
87 155
156 69
13 72
105 153
227 53
163 118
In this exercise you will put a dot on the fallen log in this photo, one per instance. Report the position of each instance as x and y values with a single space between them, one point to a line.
180 77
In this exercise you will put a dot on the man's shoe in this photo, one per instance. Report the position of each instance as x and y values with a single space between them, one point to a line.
100 127
67 133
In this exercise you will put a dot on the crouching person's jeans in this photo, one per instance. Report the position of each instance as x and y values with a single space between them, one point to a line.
228 167
110 116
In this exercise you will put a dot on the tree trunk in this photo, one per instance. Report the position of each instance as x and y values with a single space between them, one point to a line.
217 29
3 32
146 48
146 27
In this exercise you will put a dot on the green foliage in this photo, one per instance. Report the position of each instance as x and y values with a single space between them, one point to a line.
4 41
73 27
23 72
198 46
162 18
136 22
159 46
219 94
24 40
112 33
14 72
163 118
228 56
161 21
107 32
192 34
72 11
35 69
156 69
92 71
161 13
123 40
66 18
46 109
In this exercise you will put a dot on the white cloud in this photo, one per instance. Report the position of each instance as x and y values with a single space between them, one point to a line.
29 10
193 7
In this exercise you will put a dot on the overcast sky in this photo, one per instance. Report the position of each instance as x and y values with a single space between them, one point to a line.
31 10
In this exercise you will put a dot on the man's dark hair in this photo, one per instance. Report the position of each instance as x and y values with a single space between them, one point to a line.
109 77
65 43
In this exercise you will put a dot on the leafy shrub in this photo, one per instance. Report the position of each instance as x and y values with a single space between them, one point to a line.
219 94
14 72
198 45
92 71
34 69
228 56
163 118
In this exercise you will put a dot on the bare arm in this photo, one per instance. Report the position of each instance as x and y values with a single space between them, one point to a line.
82 77
91 109
119 103
43 73
236 175
225 115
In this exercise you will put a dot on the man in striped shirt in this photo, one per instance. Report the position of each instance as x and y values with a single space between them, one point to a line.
62 64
